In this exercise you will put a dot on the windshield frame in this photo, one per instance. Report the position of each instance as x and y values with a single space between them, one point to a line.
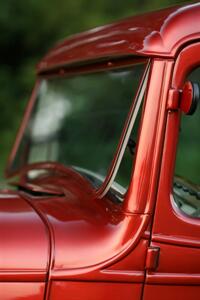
123 136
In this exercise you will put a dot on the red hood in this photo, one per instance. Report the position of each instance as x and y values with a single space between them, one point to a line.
24 251
86 234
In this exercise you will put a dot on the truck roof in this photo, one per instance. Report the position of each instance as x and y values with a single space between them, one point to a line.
160 33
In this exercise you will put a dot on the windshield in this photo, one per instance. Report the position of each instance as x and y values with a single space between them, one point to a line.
78 121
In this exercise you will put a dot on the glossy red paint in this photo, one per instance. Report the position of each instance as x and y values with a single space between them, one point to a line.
187 97
141 194
165 292
24 250
79 220
58 239
160 33
177 235
79 224
22 233
22 290
98 291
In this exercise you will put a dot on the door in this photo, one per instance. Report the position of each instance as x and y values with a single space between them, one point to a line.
176 225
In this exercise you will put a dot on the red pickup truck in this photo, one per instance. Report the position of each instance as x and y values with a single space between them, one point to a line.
106 167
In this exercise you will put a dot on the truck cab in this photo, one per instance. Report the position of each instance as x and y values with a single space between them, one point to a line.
106 167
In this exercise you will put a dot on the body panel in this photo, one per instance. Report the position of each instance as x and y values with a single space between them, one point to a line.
174 233
24 250
165 292
80 224
159 33
22 233
141 195
22 290
91 290
97 248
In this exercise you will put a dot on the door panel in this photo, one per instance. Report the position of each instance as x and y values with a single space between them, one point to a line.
22 290
177 265
166 292
94 291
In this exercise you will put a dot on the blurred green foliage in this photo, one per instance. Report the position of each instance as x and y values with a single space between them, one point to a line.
29 29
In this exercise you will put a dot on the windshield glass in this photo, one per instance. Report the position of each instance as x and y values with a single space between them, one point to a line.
78 121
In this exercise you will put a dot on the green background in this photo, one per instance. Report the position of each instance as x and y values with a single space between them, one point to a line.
28 29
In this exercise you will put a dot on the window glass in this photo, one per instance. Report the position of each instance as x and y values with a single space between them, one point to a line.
123 176
78 121
187 170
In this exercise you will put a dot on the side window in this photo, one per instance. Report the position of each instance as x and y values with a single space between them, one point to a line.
187 170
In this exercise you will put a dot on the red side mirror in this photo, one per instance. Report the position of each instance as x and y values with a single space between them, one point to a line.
190 97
